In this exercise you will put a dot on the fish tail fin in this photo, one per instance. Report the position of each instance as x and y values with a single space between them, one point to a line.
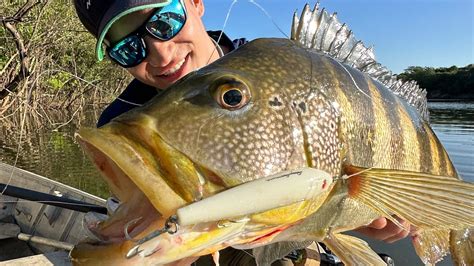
461 243
424 200
352 250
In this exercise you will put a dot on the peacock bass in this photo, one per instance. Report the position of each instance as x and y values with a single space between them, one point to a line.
317 100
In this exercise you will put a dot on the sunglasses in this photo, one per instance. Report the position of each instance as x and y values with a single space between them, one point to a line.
164 24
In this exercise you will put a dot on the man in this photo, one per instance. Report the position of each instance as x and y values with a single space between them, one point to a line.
159 42
171 44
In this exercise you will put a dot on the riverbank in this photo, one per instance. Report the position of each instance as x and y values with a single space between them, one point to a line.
443 83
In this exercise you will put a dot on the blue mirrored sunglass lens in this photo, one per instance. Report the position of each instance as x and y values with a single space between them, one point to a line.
167 21
129 51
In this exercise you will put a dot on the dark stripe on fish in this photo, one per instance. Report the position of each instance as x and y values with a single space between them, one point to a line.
424 148
354 104
366 118
441 164
450 170
435 152
386 102
426 156
442 158
410 155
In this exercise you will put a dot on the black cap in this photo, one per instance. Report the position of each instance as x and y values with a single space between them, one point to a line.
99 15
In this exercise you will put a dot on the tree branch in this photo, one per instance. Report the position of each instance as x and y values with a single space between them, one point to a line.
8 23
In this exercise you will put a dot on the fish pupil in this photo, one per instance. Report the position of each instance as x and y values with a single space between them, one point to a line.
232 97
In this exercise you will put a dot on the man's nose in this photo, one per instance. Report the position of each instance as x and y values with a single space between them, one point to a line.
160 53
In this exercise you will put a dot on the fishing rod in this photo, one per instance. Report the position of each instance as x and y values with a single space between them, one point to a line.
31 195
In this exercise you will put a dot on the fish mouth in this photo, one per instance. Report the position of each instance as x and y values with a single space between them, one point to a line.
132 152
152 180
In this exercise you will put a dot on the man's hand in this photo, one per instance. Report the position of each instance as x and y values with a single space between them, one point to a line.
385 230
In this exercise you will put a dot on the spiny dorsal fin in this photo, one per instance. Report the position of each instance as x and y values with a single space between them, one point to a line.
322 32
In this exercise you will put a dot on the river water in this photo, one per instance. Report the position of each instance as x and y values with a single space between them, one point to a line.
453 123
48 147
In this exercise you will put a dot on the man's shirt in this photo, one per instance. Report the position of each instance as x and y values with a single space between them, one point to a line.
137 93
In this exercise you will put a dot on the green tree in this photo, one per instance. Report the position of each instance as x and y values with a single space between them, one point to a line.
59 57
448 83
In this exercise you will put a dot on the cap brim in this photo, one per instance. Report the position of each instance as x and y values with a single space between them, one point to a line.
118 10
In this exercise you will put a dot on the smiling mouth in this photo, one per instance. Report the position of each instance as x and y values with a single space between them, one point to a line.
174 69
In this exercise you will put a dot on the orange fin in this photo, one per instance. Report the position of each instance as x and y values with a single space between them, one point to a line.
424 200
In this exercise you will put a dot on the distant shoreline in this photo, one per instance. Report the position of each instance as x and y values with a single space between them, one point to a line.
443 84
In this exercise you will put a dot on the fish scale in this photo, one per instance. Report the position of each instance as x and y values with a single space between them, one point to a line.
383 103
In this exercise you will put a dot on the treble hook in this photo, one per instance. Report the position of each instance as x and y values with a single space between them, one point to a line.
125 230
171 227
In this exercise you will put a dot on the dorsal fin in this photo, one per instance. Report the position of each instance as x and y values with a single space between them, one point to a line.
322 32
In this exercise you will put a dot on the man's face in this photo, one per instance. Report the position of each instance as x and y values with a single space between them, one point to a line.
168 61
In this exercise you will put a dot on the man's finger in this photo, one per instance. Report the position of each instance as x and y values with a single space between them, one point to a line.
378 223
402 233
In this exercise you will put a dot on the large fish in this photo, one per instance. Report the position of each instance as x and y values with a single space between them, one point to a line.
318 101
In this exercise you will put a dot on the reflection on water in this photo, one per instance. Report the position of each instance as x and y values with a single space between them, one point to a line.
454 126
52 152
48 149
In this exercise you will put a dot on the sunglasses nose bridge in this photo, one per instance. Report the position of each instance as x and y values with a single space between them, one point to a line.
160 53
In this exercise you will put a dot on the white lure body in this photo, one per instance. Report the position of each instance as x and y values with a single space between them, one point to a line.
256 196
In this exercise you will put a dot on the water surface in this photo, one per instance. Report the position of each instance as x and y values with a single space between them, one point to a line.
453 123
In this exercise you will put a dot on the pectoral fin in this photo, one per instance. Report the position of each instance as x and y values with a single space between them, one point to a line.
424 200
352 250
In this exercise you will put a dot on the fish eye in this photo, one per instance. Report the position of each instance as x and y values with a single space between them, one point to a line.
232 95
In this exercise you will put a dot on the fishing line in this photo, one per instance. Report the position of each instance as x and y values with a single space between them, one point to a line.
358 88
270 17
205 123
23 118
248 253
22 126
360 172
352 78
228 16
67 122
128 102
378 96
223 27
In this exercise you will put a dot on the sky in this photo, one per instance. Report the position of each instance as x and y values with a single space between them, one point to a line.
431 33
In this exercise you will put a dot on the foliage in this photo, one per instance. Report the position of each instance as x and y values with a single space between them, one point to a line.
61 61
444 82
